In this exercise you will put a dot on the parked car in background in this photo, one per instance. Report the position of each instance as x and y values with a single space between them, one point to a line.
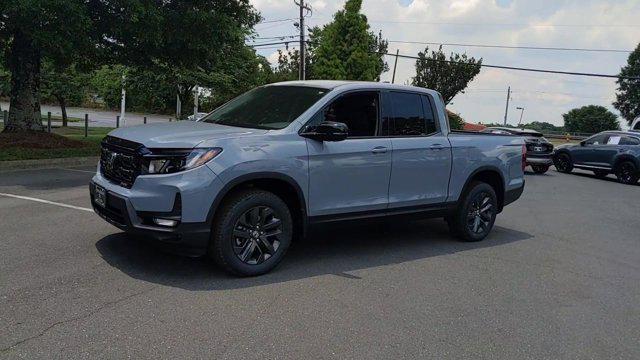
196 116
241 183
635 125
539 149
609 152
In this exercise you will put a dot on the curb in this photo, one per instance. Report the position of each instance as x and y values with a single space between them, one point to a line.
49 163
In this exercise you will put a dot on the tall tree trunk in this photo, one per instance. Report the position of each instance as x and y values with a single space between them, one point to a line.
63 108
24 65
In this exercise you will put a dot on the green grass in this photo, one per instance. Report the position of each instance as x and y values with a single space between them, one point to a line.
91 148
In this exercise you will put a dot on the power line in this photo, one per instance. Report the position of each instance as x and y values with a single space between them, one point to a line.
519 68
275 21
498 24
510 47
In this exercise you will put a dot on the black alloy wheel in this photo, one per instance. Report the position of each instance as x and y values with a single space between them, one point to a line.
251 232
627 173
257 235
476 213
563 163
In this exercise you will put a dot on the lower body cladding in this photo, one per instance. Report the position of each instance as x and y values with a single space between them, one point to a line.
172 210
540 159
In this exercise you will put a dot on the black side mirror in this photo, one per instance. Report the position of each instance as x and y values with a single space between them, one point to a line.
327 131
583 143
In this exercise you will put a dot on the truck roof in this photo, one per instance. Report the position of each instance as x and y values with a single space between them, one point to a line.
348 85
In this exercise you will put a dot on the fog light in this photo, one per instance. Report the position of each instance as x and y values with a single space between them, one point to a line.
165 222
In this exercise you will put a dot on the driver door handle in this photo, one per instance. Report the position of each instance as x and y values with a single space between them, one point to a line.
436 147
379 150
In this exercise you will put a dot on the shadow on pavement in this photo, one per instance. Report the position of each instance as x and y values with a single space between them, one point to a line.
337 250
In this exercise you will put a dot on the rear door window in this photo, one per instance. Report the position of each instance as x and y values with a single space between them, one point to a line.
408 115
628 140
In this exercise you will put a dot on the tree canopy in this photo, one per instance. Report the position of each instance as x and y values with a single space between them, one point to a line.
184 41
447 76
590 119
345 49
628 95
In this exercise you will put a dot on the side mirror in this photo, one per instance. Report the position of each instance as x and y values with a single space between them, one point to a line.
327 131
582 143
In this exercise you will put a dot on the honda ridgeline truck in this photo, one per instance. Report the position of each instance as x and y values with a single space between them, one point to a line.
244 181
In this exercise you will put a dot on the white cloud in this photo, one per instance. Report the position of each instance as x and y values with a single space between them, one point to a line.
548 23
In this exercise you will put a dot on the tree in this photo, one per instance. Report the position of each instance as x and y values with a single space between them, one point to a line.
30 30
448 77
183 36
345 49
455 120
590 119
628 95
63 85
542 126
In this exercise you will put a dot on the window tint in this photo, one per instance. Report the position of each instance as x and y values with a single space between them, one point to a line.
597 139
432 124
359 111
627 140
408 116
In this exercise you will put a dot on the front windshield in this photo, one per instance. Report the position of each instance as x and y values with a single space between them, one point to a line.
268 107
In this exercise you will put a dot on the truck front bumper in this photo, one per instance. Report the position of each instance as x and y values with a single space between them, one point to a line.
185 198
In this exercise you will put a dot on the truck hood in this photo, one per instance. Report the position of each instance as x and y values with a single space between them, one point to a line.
180 134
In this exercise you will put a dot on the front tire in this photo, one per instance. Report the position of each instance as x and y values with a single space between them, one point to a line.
476 213
563 163
539 169
627 173
251 233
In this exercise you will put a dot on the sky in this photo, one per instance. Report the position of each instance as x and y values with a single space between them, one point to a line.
539 23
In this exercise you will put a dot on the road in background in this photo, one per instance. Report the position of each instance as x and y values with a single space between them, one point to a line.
99 118
558 278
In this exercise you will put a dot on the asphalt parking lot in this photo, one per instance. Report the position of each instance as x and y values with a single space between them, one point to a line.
558 278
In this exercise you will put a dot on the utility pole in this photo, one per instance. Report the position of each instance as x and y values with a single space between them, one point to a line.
506 109
395 65
303 71
195 102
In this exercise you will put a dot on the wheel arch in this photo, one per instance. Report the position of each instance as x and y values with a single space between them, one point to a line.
282 185
625 157
492 176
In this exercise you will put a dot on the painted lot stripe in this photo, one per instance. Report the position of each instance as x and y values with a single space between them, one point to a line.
46 202
78 170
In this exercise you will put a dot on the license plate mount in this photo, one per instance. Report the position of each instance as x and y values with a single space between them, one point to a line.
100 196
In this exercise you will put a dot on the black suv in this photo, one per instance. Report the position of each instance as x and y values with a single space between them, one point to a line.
616 152
539 149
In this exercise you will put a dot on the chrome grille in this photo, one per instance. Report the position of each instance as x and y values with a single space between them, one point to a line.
120 161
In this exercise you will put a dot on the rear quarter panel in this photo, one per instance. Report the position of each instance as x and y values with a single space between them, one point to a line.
473 152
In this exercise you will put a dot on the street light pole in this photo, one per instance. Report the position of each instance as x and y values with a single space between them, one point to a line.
521 113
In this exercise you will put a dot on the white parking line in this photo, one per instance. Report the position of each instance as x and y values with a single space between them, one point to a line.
46 202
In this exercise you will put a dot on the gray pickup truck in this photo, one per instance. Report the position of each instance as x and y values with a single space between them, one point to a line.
244 181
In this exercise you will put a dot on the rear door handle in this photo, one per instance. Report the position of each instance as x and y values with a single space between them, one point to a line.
379 150
436 147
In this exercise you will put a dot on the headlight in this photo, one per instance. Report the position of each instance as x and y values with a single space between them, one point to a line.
172 161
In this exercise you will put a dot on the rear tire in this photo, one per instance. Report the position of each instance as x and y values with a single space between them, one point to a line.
540 169
251 233
627 173
600 173
563 163
476 213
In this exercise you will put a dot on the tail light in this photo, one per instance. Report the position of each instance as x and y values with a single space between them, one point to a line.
524 157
